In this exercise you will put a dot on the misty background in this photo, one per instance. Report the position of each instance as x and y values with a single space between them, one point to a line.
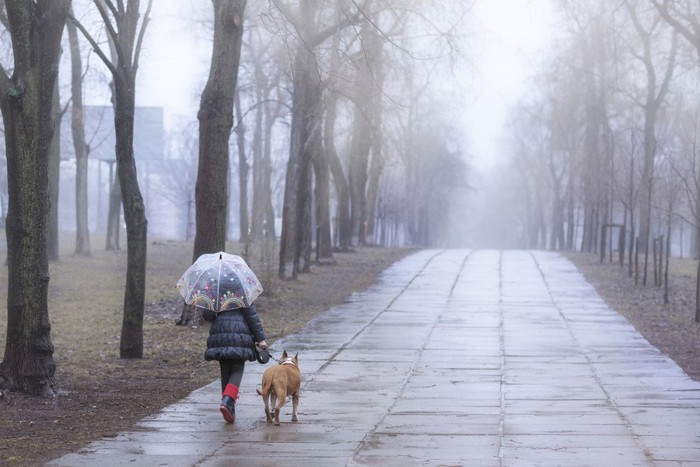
528 117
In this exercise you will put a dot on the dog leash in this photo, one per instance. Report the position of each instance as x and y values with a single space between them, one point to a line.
259 352
267 351
276 359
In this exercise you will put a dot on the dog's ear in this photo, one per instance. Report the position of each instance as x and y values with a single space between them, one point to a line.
284 355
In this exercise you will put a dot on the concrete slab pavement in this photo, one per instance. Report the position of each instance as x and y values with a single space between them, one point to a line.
454 358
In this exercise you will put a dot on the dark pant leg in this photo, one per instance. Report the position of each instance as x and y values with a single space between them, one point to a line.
231 372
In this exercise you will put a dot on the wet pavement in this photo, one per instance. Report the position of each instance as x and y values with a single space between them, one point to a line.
454 358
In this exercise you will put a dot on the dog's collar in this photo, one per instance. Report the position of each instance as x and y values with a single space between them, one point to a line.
288 361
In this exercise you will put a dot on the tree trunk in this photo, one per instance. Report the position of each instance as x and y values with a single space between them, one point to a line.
646 188
257 211
270 231
215 122
697 294
570 221
375 171
295 242
243 169
131 344
115 208
125 38
342 191
324 244
297 181
25 101
377 162
359 158
82 231
54 176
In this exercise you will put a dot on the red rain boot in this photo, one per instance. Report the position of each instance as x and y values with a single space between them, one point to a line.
228 403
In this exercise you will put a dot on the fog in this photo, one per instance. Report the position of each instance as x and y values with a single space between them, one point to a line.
507 124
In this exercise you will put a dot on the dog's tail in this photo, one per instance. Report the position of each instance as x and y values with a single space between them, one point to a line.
267 386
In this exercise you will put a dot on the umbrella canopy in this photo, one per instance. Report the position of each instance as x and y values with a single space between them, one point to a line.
218 282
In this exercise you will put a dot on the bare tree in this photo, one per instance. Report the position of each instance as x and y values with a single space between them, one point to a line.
54 176
656 91
126 36
82 150
306 126
215 124
25 101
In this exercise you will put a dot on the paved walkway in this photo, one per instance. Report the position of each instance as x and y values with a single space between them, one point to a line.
455 358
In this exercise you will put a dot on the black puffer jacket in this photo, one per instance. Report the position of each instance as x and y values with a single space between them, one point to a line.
233 334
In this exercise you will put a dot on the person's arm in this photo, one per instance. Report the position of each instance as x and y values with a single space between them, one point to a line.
251 316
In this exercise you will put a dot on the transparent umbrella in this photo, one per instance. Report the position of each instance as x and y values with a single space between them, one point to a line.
218 282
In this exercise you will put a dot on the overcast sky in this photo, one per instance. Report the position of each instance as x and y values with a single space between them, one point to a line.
511 38
506 47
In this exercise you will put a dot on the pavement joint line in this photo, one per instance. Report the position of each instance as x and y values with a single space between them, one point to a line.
502 344
412 369
344 346
609 398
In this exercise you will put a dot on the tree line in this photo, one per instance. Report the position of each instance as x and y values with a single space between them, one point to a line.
372 149
603 150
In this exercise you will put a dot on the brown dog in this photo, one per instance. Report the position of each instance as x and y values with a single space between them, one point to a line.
278 382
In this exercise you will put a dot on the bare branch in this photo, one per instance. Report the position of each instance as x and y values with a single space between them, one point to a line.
113 34
670 67
139 41
95 46
692 36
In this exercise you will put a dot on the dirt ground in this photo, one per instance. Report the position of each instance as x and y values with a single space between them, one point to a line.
100 394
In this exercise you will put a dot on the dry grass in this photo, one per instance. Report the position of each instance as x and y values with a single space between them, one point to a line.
100 393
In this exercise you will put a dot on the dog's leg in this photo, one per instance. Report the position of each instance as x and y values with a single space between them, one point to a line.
268 414
295 404
266 396
273 404
281 399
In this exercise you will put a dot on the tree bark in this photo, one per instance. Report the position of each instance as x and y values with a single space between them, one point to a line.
270 230
215 123
54 176
342 191
295 242
297 181
359 157
114 211
82 231
243 169
131 344
25 101
257 211
324 243
126 38
376 166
